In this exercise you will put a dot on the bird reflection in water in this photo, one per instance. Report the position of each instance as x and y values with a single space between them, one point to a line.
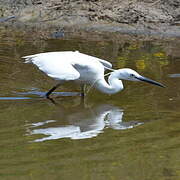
83 122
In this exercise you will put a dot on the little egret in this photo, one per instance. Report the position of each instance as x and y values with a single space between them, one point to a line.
83 69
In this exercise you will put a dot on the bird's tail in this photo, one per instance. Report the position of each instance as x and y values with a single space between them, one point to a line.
28 59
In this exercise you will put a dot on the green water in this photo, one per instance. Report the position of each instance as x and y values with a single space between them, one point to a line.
133 135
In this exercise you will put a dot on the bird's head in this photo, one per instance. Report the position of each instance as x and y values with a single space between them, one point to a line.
131 75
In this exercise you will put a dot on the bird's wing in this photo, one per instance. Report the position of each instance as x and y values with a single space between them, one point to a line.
53 67
106 64
62 65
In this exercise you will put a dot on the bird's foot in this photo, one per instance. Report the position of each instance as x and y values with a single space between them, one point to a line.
47 96
82 94
52 100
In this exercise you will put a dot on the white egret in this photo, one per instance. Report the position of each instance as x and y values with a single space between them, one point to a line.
83 69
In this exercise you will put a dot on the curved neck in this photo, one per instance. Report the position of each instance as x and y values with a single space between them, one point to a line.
113 86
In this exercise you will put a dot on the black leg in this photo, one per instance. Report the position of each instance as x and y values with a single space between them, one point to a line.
51 90
52 100
82 91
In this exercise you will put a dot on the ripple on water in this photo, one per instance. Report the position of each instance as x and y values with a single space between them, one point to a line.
174 75
14 98
41 94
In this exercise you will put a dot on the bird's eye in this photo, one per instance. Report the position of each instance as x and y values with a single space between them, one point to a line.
132 75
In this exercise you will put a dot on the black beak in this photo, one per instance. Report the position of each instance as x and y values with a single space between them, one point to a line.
150 81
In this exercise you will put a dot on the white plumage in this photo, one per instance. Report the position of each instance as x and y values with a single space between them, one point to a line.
83 69
68 65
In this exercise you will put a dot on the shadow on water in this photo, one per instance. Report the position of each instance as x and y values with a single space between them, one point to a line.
42 94
81 122
38 95
174 75
14 98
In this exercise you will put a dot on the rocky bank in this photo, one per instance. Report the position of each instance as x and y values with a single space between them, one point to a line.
137 17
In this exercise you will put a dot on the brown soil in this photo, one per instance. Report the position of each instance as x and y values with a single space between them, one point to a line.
151 17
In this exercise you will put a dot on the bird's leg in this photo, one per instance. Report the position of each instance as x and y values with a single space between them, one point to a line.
52 100
51 90
82 102
82 91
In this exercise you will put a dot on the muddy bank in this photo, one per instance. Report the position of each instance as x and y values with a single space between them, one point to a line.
160 18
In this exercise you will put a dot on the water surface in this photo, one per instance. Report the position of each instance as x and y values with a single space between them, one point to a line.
131 135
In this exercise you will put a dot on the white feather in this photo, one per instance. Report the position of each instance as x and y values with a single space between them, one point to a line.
67 65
